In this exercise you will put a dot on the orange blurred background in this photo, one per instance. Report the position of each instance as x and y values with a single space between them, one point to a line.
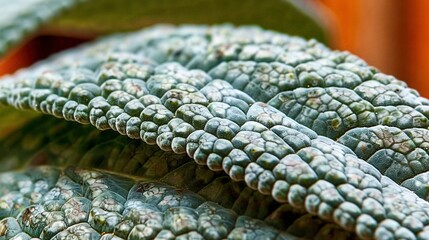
392 35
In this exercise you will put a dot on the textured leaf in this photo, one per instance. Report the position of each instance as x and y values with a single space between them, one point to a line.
55 204
87 147
226 98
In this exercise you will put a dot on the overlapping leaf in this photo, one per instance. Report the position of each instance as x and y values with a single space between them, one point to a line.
22 17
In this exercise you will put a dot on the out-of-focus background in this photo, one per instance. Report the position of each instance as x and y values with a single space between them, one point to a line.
392 35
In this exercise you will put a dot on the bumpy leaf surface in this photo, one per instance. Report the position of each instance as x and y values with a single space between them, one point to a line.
240 102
